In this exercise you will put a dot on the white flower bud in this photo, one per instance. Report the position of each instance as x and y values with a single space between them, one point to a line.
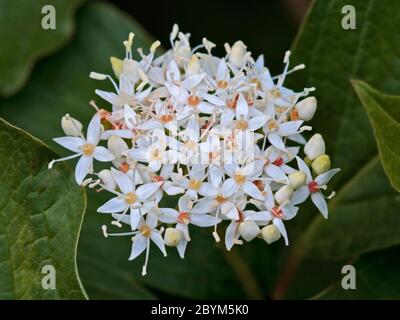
297 179
117 145
172 237
107 179
306 108
270 233
249 230
71 126
314 147
283 194
321 164
194 65
237 55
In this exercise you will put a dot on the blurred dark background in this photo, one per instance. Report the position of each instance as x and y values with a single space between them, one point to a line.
266 26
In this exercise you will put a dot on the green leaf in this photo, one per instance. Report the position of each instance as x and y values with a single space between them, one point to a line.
23 40
384 113
377 277
364 214
205 272
41 213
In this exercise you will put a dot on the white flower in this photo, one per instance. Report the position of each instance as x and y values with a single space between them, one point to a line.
141 241
129 198
86 148
314 187
183 218
241 180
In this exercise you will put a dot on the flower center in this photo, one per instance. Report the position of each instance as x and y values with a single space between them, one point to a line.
242 124
194 184
313 186
157 178
124 167
272 125
275 93
183 218
220 199
130 198
256 82
278 162
222 84
240 179
88 149
259 184
193 101
166 118
145 230
294 115
277 212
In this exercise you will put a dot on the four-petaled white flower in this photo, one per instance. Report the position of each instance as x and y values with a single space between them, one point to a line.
86 148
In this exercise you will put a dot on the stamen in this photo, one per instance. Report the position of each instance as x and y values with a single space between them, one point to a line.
50 165
144 269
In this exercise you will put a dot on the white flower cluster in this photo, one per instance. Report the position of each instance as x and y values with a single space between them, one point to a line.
220 137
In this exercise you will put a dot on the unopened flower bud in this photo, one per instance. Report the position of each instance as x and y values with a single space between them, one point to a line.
315 146
237 54
321 164
283 194
270 233
172 237
249 230
194 65
297 179
117 146
107 179
71 126
306 108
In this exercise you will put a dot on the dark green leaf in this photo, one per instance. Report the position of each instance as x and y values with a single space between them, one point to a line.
384 114
23 40
41 213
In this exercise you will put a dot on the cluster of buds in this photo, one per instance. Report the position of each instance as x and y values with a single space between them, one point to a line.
194 139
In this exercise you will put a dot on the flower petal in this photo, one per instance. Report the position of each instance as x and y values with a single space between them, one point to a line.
303 167
242 108
83 167
290 127
320 203
138 246
93 131
228 188
251 189
203 220
113 206
325 177
281 227
145 191
158 240
300 195
135 218
123 181
276 140
103 154
71 143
